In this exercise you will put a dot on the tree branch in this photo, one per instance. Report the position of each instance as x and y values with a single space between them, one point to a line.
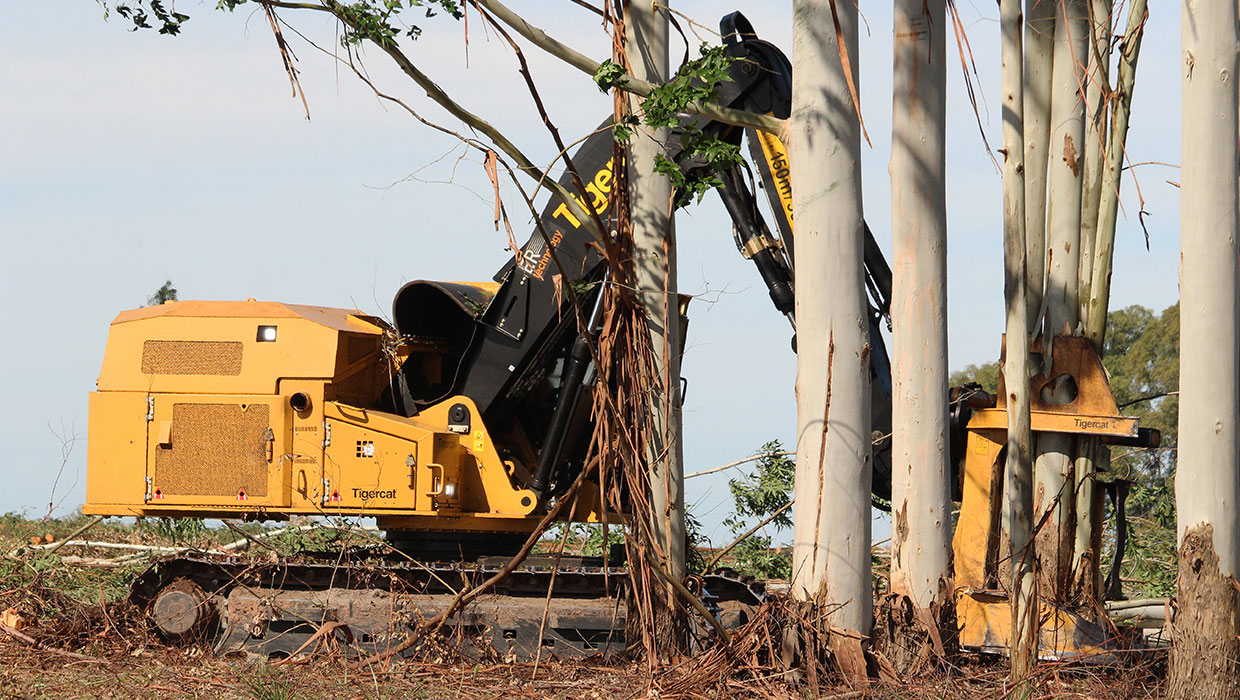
437 94
589 66
765 521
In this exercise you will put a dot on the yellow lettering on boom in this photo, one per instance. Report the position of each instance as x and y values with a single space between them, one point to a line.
777 160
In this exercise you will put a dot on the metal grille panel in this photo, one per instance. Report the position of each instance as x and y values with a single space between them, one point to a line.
217 450
358 347
356 389
209 357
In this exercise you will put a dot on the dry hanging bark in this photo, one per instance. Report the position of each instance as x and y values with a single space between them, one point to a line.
921 478
1205 657
831 533
654 259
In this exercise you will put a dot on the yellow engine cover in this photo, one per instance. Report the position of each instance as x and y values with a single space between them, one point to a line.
261 409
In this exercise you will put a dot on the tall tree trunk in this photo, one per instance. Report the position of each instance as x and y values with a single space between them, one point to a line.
1054 468
1205 657
921 476
831 547
1018 489
1094 158
1108 205
1086 574
654 250
1039 33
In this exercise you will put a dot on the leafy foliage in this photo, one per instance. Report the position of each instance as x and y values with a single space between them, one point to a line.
380 21
178 531
694 82
693 184
609 75
141 12
758 495
165 293
1149 569
986 374
705 153
767 489
1142 356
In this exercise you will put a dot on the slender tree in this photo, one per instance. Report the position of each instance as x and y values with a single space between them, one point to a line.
654 249
831 548
1054 468
1093 160
1100 204
1108 196
1018 487
1085 574
1039 39
921 477
1205 657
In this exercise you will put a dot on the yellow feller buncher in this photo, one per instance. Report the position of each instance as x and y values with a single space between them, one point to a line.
457 428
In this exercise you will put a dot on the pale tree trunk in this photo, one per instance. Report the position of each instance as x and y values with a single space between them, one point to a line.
1053 470
1039 34
1095 141
1086 574
921 476
654 250
1108 205
1205 657
831 547
1018 488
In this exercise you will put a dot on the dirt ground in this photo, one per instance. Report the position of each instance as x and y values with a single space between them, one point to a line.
110 668
84 640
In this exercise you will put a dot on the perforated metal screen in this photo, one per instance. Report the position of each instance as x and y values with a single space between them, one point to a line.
204 357
216 450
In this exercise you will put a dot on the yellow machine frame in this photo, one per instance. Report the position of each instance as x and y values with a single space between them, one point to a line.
983 612
255 409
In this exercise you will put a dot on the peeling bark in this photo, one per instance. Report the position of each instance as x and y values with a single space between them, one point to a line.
1205 654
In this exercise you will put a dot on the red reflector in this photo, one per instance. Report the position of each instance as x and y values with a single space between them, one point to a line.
335 495
241 495
159 495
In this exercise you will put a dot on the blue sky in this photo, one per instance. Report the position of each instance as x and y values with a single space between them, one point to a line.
131 158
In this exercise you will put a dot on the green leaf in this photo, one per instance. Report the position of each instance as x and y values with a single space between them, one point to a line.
609 75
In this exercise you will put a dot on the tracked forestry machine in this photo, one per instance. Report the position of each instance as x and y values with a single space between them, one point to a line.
456 429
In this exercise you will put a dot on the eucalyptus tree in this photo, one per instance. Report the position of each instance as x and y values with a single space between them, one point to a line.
1054 465
1205 655
654 242
831 528
1039 44
1018 487
921 474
